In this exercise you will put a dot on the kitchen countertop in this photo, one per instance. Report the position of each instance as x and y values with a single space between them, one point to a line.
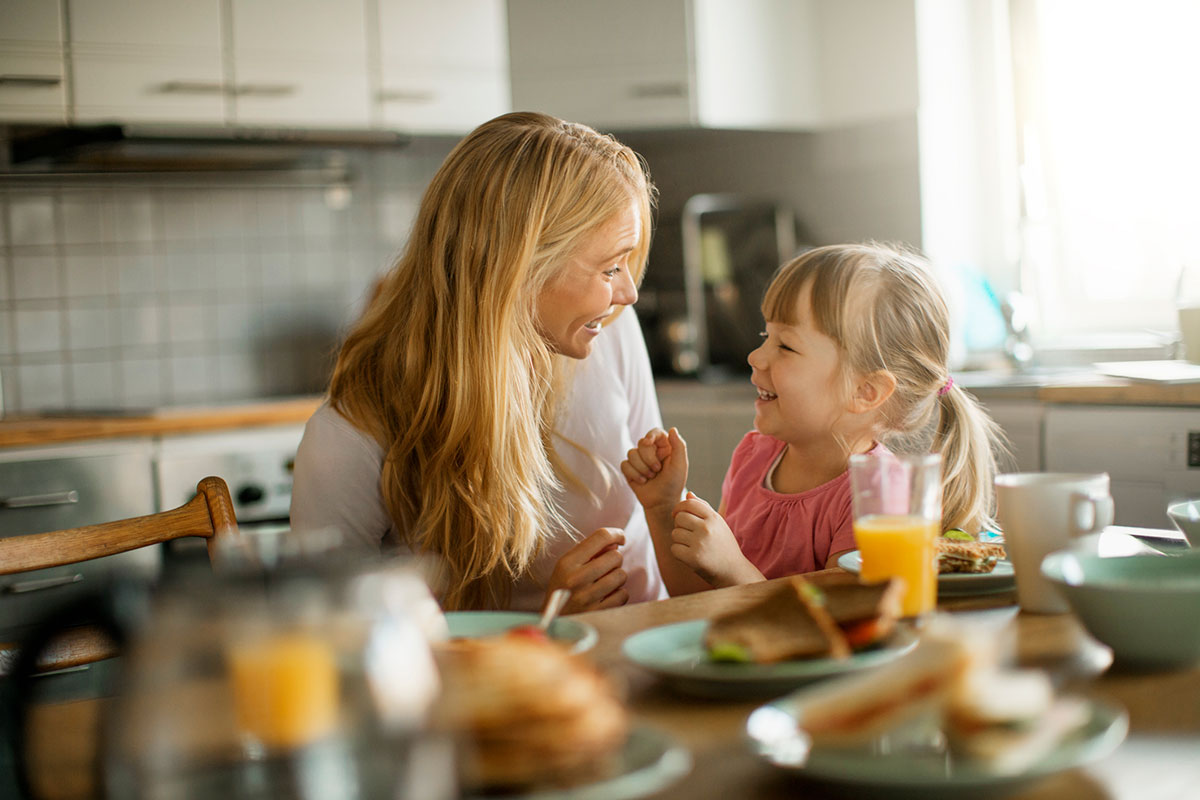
1078 387
42 429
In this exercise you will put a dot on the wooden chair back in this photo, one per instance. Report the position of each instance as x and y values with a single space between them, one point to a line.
209 515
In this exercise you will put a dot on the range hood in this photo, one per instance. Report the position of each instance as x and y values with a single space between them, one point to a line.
137 147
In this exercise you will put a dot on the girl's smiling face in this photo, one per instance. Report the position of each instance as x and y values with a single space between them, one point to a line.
594 280
797 372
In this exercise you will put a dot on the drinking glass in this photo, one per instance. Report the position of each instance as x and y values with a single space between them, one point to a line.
897 506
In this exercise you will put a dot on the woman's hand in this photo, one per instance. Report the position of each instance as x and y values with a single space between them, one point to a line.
592 571
702 540
657 468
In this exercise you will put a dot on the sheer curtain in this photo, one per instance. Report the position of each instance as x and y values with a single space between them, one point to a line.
1107 103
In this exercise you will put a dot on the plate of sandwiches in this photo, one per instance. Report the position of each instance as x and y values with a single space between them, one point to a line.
965 566
534 721
804 630
944 720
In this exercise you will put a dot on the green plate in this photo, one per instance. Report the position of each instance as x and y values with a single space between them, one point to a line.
579 635
650 761
1000 579
676 654
891 767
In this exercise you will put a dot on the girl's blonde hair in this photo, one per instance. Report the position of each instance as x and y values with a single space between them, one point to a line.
884 310
447 370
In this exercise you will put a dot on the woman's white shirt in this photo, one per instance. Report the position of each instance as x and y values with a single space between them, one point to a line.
611 403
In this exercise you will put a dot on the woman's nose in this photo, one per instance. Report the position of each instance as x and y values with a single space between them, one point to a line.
625 292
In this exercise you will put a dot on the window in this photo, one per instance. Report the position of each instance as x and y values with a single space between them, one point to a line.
1108 140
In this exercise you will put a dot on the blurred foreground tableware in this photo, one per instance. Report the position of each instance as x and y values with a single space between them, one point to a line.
1040 512
1145 607
297 671
1186 516
897 503
908 764
579 636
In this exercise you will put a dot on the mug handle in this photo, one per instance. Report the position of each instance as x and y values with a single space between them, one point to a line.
1101 516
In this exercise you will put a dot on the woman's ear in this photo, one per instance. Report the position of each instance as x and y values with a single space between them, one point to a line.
872 391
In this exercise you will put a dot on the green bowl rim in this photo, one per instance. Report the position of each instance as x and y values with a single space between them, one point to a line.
1060 555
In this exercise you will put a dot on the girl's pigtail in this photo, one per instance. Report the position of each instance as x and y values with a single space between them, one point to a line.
970 443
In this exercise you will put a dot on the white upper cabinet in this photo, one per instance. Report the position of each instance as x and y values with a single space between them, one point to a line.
664 63
299 62
762 64
32 78
147 60
443 67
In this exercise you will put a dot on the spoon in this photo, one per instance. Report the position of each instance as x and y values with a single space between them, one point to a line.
558 598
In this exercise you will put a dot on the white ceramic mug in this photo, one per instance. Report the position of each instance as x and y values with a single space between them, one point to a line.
1041 512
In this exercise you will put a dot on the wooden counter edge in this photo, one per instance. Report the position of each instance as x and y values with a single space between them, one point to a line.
36 431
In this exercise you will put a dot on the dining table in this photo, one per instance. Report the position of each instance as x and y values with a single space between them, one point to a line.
1159 759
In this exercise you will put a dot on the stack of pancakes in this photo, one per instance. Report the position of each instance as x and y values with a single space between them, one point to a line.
527 712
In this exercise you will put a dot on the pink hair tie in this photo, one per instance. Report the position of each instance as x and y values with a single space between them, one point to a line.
946 386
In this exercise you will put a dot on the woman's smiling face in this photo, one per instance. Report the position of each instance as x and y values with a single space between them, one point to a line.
594 280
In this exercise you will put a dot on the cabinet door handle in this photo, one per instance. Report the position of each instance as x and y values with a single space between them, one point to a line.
35 500
406 96
41 583
265 90
191 87
30 81
649 91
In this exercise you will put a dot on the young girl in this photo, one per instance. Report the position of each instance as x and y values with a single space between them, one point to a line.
853 360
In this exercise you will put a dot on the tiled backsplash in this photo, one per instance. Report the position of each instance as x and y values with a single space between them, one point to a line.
149 291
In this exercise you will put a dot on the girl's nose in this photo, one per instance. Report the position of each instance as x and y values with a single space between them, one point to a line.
625 292
754 356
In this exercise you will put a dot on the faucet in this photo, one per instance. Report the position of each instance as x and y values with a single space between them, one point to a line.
1017 346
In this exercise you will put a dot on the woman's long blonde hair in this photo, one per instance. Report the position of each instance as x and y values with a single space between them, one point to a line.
447 370
885 311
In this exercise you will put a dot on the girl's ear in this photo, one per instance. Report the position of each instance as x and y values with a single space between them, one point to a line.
872 391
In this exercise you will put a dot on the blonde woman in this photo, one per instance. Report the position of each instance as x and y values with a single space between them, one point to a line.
479 409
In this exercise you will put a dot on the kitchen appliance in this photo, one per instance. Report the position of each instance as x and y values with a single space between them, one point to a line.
702 313
256 463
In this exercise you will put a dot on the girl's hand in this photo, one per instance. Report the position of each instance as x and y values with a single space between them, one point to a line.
592 571
702 540
657 468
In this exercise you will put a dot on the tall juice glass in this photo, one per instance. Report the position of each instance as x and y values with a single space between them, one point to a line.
897 506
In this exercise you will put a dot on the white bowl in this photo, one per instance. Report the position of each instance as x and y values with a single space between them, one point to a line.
1186 516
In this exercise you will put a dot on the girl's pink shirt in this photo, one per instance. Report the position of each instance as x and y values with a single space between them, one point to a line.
784 534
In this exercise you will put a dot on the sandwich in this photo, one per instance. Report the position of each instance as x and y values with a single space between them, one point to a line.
527 713
996 717
807 619
1008 719
959 551
858 708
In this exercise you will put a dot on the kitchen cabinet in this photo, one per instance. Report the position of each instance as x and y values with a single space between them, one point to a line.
443 67
1152 455
66 486
756 64
147 60
299 62
32 78
1021 421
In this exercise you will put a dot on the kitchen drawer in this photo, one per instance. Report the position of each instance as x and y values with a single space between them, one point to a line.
51 489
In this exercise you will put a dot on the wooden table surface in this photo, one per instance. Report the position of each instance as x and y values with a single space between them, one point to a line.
1159 760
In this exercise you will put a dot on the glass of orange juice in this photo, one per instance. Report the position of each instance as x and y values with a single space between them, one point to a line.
897 506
